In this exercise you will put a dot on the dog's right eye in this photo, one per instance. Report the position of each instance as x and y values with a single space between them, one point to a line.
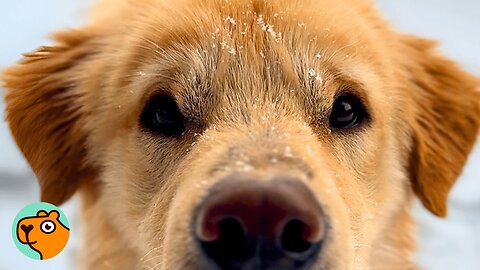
162 116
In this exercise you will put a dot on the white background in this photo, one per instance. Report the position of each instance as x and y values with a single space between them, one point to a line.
453 243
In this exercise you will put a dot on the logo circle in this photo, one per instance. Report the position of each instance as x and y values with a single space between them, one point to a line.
40 231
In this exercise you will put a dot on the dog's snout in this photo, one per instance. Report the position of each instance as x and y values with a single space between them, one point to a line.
248 224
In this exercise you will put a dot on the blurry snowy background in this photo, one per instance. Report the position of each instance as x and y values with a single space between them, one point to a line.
444 244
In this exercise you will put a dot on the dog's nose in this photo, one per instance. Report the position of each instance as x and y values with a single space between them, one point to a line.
260 225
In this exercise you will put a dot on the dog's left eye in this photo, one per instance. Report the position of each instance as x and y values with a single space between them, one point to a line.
162 115
347 112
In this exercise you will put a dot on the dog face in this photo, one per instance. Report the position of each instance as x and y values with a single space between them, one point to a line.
180 119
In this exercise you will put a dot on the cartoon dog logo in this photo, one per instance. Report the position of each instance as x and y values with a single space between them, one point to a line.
43 233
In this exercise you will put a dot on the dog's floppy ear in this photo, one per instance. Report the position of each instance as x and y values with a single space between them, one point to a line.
45 113
446 121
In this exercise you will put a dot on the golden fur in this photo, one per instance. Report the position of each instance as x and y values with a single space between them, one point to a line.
243 71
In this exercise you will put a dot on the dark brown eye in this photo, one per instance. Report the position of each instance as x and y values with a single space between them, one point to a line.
162 116
347 112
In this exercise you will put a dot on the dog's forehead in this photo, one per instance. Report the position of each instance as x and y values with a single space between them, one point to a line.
304 31
241 51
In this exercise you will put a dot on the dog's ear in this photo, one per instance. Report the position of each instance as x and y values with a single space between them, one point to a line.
445 122
45 115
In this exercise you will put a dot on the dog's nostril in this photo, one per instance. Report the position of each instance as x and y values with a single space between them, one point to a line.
293 237
231 232
230 242
232 236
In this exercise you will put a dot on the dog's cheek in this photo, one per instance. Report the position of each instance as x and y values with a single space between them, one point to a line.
372 184
178 229
143 176
123 201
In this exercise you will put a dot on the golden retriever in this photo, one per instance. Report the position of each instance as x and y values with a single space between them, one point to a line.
243 134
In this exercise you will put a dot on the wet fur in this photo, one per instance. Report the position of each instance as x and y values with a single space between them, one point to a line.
73 109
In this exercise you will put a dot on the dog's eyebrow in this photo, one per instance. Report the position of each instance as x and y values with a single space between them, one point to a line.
198 100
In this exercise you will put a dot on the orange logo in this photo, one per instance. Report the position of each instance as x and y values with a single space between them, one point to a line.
43 233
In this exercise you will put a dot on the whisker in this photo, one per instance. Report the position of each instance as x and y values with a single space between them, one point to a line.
149 252
155 266
152 258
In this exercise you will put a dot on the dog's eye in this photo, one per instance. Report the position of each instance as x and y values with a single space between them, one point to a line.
162 115
47 226
347 112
